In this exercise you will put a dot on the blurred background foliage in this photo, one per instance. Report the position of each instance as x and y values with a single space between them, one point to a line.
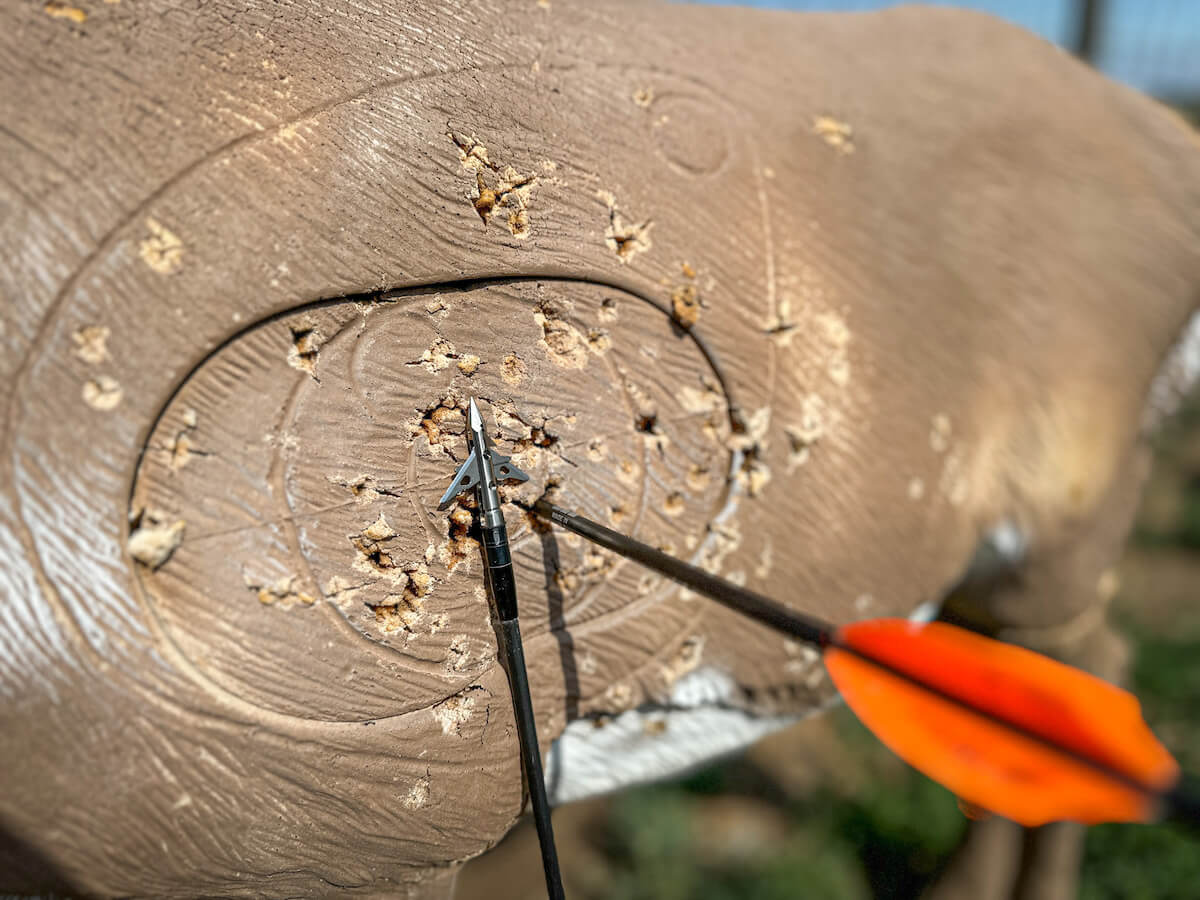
821 810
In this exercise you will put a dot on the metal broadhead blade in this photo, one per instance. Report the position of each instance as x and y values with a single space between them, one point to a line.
466 478
505 470
471 474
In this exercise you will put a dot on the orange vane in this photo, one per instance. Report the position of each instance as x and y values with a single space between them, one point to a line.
1006 729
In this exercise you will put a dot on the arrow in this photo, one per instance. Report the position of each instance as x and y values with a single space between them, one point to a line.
1006 729
483 470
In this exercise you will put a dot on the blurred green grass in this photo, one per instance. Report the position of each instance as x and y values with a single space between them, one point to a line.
883 839
1130 862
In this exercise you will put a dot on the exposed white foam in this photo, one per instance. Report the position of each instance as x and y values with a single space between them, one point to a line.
654 742
1177 377
926 612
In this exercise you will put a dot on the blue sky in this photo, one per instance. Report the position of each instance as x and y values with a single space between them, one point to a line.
1152 44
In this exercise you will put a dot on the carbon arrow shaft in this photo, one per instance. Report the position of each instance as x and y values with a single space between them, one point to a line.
762 609
502 587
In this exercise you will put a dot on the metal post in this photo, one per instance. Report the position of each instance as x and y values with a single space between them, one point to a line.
1089 29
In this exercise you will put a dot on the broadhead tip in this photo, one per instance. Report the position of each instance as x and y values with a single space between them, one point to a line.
474 419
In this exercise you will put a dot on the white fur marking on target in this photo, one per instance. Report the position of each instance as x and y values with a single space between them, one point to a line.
1179 374
652 742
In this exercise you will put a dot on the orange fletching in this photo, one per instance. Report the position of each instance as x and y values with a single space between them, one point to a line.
991 717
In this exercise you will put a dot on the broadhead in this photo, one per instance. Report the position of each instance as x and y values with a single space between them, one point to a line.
470 473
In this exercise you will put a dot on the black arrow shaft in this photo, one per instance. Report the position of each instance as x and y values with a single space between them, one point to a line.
502 587
762 609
